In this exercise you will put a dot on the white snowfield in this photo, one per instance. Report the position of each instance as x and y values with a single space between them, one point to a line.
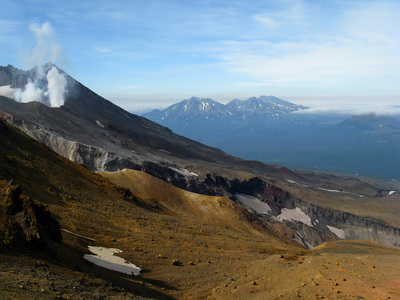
263 208
391 192
7 91
105 258
254 203
338 232
184 172
294 215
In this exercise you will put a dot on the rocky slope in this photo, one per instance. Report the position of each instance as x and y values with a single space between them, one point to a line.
23 223
221 252
92 131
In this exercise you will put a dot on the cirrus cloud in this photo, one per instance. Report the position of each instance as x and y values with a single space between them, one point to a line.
354 54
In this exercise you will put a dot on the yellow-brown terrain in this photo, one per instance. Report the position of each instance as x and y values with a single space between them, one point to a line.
188 246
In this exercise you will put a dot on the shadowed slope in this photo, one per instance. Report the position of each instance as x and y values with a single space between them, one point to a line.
88 119
93 211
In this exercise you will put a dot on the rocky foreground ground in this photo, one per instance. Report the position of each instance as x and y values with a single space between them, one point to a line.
344 271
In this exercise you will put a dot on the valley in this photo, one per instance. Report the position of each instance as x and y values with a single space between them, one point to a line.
198 222
278 132
220 253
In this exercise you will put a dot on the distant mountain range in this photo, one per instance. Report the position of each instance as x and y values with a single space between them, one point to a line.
53 212
94 132
275 131
371 122
237 111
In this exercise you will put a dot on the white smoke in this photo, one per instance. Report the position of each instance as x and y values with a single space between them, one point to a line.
56 87
46 49
50 88
30 93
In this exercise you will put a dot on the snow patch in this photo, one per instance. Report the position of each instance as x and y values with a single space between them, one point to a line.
337 191
165 151
7 91
391 192
338 232
323 189
253 202
291 181
309 246
99 124
294 215
105 258
204 106
327 190
184 172
294 182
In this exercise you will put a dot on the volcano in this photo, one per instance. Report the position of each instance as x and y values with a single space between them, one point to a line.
98 134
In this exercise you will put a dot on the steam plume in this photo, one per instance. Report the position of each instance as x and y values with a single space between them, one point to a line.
49 88
57 84
46 49
30 93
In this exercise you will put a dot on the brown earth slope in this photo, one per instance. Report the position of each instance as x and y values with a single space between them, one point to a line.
92 131
182 254
170 199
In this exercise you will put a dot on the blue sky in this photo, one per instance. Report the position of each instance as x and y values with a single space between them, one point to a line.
154 53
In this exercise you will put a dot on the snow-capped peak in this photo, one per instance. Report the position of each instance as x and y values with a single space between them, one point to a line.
196 108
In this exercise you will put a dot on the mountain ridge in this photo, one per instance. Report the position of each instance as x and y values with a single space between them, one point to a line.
212 110
184 249
91 130
370 122
275 131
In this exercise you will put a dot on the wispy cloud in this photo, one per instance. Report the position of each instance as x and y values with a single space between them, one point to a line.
102 50
269 21
8 28
128 87
330 62
289 13
284 47
46 49
10 38
353 54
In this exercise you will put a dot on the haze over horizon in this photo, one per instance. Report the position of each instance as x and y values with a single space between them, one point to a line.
154 54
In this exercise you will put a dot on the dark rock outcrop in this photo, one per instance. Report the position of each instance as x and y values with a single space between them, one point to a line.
350 225
25 225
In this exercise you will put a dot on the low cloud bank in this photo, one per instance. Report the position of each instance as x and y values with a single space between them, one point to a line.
353 109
